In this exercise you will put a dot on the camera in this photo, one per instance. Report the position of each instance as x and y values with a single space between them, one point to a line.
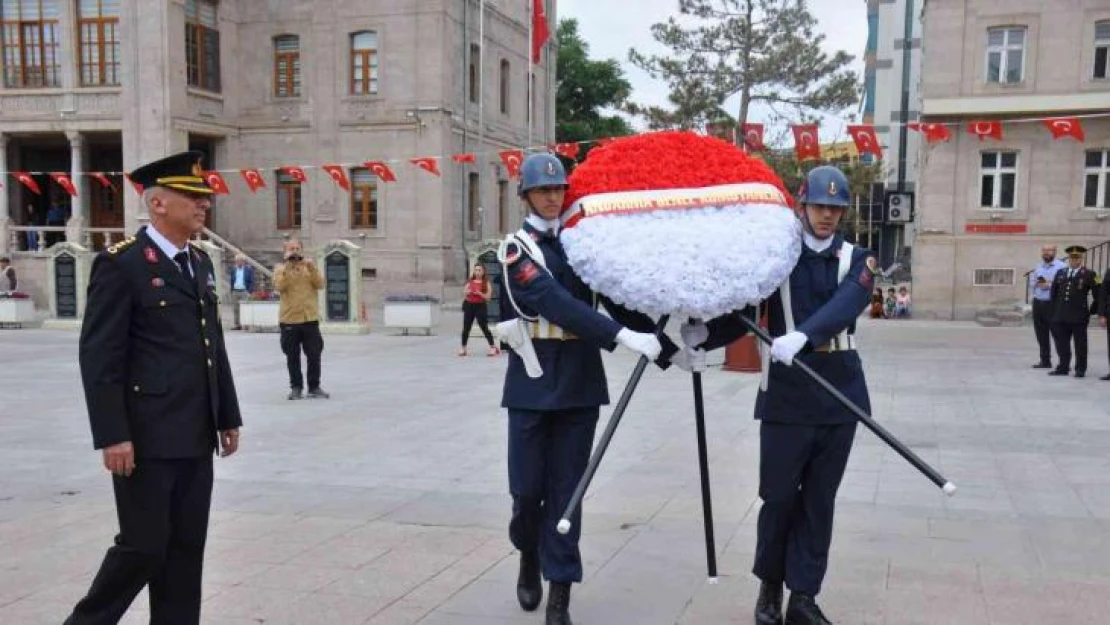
294 258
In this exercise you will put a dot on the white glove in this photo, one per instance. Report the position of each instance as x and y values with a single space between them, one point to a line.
640 342
785 347
694 333
687 359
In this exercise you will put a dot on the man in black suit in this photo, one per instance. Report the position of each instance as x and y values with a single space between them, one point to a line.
160 398
1071 292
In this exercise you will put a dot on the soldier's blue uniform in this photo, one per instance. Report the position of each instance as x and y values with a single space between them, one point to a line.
806 435
1071 312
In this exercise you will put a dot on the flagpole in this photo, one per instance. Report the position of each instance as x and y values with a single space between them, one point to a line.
481 99
531 112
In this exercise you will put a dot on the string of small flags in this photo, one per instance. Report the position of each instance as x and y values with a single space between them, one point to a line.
806 146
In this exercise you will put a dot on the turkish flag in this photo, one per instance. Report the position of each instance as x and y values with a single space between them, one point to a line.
27 181
294 172
467 157
104 181
540 30
64 182
933 132
512 160
381 170
1061 127
337 174
984 129
568 150
254 179
138 187
216 182
806 142
753 137
867 142
426 163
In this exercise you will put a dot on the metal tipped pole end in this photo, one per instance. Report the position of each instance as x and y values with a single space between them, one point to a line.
563 527
949 488
713 581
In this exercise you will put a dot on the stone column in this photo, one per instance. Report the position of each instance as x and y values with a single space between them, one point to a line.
5 239
79 213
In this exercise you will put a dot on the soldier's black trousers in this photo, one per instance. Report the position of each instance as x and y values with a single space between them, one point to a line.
1065 333
548 453
800 468
1042 327
294 338
163 520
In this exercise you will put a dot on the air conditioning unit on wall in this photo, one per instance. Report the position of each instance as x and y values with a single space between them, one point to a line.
899 207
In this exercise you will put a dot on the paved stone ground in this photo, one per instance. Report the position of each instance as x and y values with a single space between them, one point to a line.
387 504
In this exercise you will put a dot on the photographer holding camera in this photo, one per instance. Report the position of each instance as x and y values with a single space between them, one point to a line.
297 280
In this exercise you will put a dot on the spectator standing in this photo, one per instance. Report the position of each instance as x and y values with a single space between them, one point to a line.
1040 288
241 279
478 293
297 280
8 281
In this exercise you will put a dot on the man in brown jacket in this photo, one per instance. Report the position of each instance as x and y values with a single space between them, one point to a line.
297 280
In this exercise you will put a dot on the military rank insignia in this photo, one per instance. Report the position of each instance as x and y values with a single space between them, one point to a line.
150 254
526 273
867 276
157 283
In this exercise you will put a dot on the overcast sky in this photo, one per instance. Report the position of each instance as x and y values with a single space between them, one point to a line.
611 27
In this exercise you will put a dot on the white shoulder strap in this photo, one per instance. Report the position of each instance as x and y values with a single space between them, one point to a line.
524 241
846 250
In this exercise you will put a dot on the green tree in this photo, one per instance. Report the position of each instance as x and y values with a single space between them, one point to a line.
586 88
765 51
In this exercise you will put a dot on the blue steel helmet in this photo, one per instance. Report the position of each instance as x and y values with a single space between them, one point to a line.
826 186
541 170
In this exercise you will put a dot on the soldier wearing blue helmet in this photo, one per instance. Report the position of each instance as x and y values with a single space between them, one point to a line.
805 434
554 385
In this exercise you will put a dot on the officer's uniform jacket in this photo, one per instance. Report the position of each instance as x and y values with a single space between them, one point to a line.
823 310
152 355
573 375
1070 301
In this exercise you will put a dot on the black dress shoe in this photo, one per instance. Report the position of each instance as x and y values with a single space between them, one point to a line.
1042 365
1080 374
529 589
1058 372
1106 377
803 610
558 604
768 607
296 394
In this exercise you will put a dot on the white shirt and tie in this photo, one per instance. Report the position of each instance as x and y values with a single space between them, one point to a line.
180 256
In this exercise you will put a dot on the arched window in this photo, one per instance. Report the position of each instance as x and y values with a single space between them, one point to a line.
364 63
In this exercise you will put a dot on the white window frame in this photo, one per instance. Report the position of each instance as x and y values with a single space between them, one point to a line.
1101 43
1003 53
997 172
1102 199
978 273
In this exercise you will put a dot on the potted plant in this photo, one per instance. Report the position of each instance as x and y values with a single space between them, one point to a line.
16 308
259 311
407 311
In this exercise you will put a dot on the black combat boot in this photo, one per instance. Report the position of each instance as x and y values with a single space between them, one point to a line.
558 604
803 610
529 590
768 608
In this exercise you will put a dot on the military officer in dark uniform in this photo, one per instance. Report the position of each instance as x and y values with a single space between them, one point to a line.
160 398
552 417
805 434
1071 292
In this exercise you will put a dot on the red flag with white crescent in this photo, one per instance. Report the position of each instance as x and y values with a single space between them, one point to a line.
466 157
28 181
985 129
64 182
806 142
138 187
254 179
426 163
753 137
568 150
1061 127
336 173
512 160
216 182
294 172
103 179
933 132
381 170
541 32
867 142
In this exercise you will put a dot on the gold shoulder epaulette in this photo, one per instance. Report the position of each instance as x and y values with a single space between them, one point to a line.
116 248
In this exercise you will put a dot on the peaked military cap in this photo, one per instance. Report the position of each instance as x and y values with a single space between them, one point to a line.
183 171
1075 250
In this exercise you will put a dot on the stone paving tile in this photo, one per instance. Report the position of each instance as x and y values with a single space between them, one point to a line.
388 504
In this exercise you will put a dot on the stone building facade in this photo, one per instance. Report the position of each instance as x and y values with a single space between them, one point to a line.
105 85
986 206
